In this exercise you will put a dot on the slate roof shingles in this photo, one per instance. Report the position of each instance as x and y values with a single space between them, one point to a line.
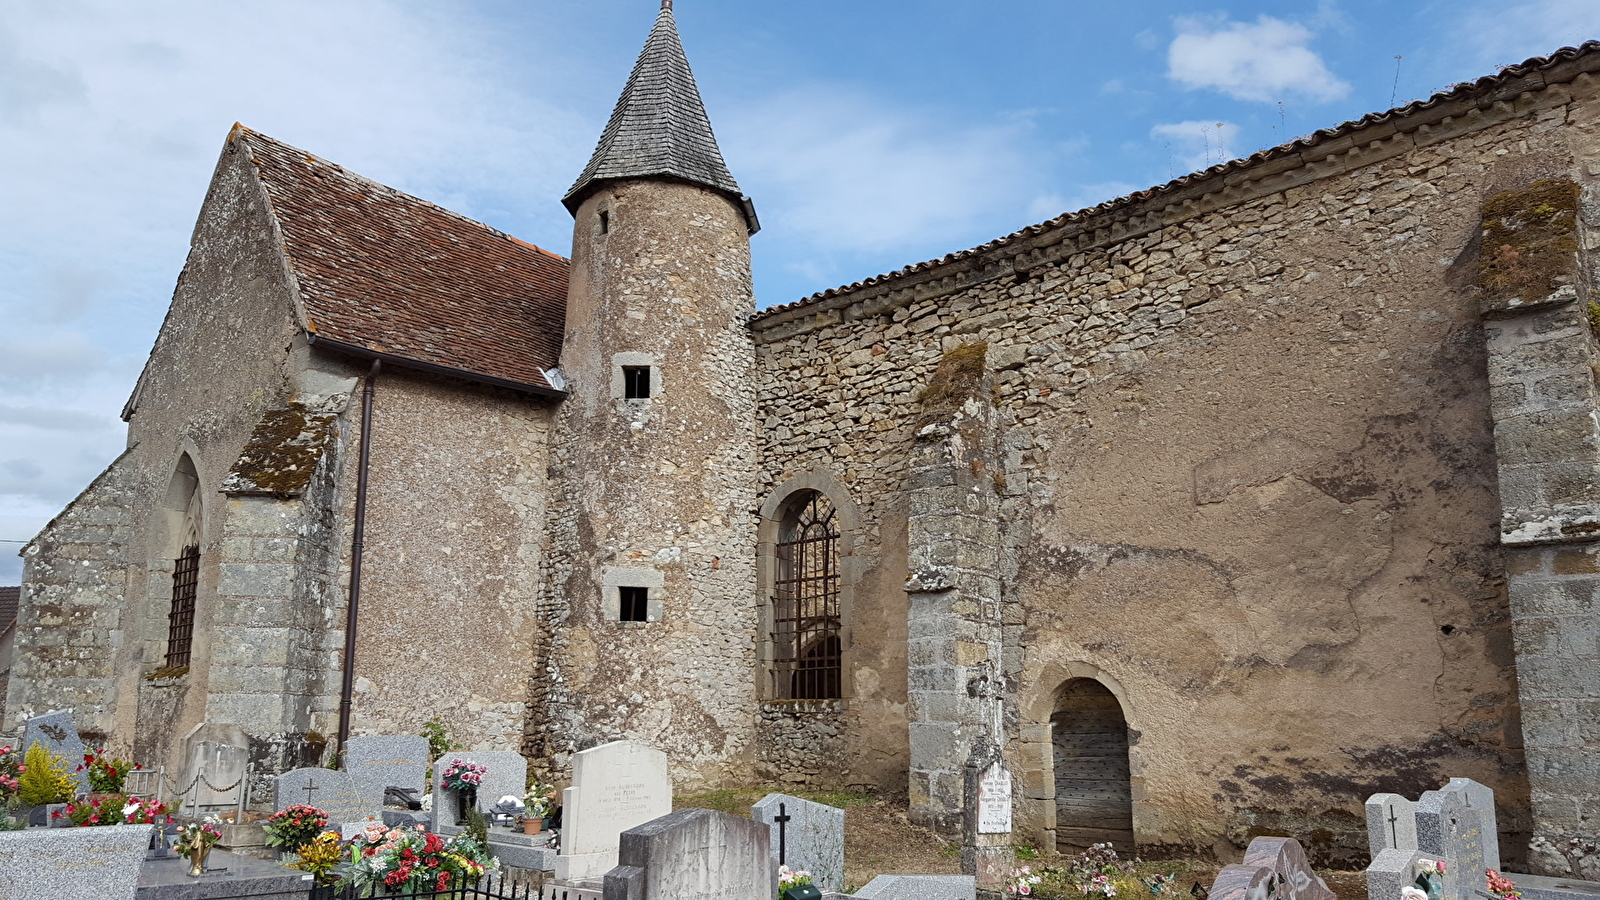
385 271
659 126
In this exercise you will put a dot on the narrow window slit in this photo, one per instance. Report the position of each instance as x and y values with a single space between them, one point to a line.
636 382
635 604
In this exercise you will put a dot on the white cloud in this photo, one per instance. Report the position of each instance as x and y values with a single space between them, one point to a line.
1195 145
1264 61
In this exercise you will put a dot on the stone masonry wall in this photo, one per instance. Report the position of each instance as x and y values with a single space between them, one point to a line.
1247 471
455 521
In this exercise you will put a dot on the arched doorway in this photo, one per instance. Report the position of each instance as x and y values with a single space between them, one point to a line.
1094 794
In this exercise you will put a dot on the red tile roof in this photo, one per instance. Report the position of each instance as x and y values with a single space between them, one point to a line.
382 272
1534 74
9 598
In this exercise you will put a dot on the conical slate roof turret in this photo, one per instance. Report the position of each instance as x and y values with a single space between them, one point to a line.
659 127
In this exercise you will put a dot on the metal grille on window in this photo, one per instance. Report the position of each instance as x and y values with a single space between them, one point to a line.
180 621
805 622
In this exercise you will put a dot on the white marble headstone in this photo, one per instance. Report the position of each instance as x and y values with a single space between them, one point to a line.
217 771
994 800
615 787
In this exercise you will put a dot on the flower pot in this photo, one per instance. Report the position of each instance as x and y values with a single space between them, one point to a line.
532 826
197 859
803 892
466 800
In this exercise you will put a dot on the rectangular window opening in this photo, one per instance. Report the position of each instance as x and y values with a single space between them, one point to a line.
636 383
605 222
180 620
635 604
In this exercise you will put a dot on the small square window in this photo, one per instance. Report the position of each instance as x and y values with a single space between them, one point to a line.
635 604
636 383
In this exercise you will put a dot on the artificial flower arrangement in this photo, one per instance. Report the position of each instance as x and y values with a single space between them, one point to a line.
294 826
319 856
1501 886
198 835
114 809
1021 882
413 859
539 799
106 774
796 884
11 769
463 775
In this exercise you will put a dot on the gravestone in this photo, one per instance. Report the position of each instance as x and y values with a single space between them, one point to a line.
920 887
329 790
1449 829
994 799
1286 860
1480 799
804 835
217 771
986 850
508 774
375 762
692 854
1391 823
73 863
615 787
1393 869
56 732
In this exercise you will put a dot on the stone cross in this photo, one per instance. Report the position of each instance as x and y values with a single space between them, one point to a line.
804 835
1391 823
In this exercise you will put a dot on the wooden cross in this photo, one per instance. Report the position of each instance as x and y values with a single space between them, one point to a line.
311 786
1394 835
782 818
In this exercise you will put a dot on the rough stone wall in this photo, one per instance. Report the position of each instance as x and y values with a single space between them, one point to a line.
456 510
657 492
1248 477
70 619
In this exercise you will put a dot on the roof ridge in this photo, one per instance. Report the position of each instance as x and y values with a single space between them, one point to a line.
1459 91
250 133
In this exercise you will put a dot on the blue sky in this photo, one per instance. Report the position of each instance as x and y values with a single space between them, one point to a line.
870 134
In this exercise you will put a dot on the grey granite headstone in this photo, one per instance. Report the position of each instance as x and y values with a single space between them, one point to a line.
73 863
56 732
812 838
508 774
1286 860
1390 871
692 854
1480 799
375 762
615 787
1391 823
329 790
920 887
1448 829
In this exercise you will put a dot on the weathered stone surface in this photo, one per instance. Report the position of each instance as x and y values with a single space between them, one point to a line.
56 733
919 887
73 863
692 853
812 839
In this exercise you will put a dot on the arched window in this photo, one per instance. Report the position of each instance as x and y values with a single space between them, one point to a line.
184 496
806 648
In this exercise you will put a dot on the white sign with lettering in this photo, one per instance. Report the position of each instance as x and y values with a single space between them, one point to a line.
994 800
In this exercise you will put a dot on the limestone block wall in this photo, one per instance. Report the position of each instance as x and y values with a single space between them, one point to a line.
70 620
456 508
656 492
1247 472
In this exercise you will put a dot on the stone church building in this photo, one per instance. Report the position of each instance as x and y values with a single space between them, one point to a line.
1218 507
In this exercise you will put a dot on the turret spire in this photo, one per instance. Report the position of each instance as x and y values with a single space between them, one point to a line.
659 127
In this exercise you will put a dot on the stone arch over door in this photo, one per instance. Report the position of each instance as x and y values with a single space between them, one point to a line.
1092 778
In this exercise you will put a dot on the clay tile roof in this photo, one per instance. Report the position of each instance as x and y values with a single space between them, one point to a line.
9 598
381 271
659 126
1510 80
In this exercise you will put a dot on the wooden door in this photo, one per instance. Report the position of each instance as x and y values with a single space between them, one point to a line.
1094 796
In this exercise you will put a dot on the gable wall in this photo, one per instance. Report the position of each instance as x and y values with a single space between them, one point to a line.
1249 483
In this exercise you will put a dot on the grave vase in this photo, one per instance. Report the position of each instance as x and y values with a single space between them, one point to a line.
197 859
466 800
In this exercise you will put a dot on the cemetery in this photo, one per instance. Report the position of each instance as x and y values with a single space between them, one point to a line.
398 818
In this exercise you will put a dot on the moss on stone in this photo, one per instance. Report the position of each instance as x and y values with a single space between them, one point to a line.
958 377
1528 240
282 453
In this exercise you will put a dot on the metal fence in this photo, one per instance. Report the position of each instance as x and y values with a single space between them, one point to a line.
489 888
